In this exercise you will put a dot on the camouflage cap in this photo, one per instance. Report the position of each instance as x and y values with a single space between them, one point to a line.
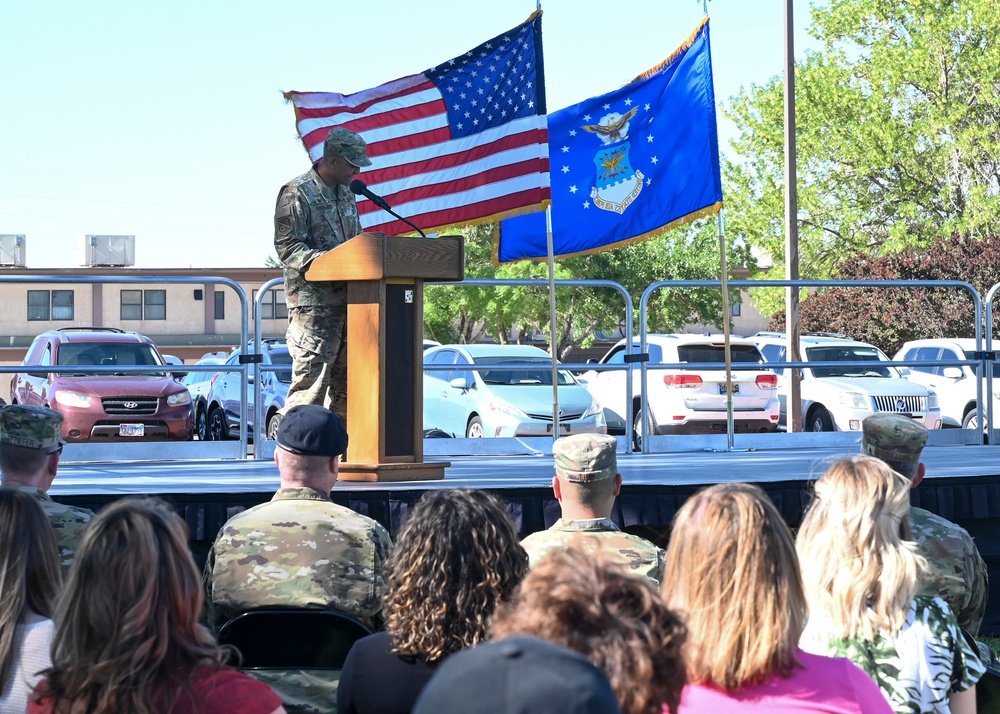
893 437
31 427
583 458
346 143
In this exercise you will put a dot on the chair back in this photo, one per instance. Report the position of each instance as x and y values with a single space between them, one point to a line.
292 638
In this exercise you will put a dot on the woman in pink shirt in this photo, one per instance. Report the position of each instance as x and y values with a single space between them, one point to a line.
733 575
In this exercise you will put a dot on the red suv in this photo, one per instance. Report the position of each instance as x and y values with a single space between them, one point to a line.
118 406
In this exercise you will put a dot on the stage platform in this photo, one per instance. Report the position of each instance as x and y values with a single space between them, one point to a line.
962 483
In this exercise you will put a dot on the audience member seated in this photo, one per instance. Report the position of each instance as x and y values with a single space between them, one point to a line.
586 485
861 568
955 570
30 445
520 675
456 558
127 633
616 620
30 578
301 549
733 575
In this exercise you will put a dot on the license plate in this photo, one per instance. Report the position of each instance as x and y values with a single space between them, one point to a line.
131 429
564 427
736 388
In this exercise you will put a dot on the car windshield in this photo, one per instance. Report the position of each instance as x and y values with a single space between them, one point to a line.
717 353
849 353
121 354
281 356
970 354
542 375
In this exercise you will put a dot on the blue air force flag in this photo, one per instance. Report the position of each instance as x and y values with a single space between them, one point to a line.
630 164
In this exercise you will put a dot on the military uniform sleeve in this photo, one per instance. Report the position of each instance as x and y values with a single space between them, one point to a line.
977 578
291 231
212 614
383 549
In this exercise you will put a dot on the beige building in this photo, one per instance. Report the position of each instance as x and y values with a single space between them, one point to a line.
185 319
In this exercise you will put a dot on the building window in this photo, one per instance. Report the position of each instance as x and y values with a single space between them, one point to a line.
273 307
736 307
220 305
144 304
50 305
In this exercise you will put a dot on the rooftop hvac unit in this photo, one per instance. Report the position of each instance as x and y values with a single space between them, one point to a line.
108 251
12 251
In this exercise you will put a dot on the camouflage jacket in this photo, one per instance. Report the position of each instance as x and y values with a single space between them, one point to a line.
68 521
637 554
311 218
298 550
956 572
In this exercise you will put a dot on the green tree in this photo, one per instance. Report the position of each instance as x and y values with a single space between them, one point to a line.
466 314
898 132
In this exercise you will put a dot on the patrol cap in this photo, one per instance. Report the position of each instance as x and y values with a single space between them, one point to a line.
312 430
31 427
520 675
583 458
893 437
346 143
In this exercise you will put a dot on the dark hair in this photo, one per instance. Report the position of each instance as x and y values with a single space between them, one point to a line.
616 620
30 576
455 559
127 630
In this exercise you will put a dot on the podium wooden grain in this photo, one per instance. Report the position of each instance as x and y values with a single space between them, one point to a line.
385 296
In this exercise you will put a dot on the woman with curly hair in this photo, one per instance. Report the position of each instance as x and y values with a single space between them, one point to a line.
618 621
30 577
456 558
733 575
127 632
860 567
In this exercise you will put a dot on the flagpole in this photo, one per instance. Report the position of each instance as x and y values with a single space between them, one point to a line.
725 331
793 402
552 323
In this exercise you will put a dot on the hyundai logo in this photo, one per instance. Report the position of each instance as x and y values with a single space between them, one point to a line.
131 405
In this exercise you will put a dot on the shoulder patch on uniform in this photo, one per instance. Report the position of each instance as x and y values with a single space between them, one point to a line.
284 225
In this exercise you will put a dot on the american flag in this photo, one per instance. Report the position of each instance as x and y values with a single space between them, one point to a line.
463 142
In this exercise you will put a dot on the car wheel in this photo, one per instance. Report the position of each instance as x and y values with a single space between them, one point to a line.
820 420
651 428
475 428
272 426
201 425
218 429
970 421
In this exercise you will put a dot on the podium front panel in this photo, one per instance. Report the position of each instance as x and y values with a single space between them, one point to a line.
400 343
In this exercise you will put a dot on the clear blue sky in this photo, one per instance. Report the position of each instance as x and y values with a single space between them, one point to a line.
166 121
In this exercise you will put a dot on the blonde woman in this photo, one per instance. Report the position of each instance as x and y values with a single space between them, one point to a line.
860 568
732 574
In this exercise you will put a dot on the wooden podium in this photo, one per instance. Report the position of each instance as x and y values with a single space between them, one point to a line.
385 316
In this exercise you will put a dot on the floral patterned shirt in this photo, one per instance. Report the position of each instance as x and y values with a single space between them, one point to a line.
917 667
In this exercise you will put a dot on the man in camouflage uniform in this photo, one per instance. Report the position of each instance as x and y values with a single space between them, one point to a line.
30 445
301 550
315 213
586 485
956 571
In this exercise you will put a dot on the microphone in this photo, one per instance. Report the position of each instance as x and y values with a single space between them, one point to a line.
358 188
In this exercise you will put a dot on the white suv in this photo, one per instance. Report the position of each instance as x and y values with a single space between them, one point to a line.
955 386
688 401
839 398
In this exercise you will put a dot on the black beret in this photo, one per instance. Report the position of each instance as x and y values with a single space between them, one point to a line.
312 430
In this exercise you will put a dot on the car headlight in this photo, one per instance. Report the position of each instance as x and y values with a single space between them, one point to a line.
504 407
72 399
175 400
932 400
595 408
854 400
